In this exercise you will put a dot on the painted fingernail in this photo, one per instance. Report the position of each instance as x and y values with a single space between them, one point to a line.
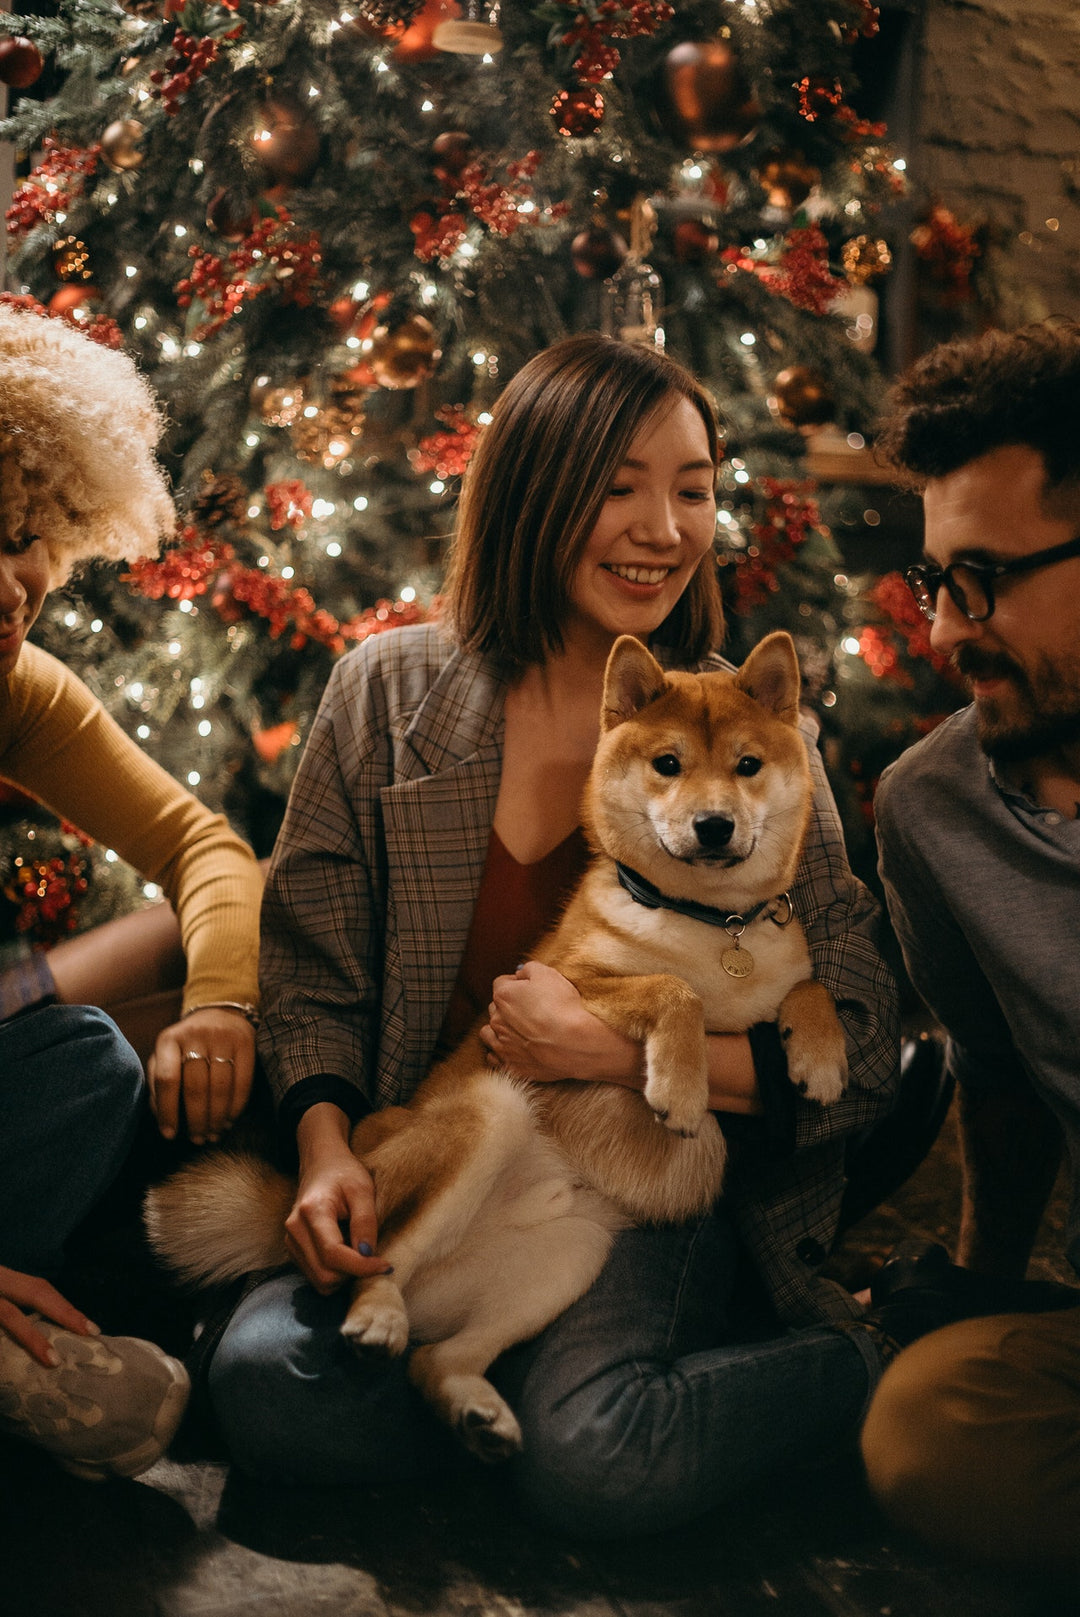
364 1249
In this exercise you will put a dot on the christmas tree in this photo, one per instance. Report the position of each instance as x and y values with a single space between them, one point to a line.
330 230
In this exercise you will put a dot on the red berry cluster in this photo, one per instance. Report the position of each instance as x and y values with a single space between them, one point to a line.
788 518
184 571
496 205
286 607
438 229
447 453
101 329
272 255
892 597
388 615
436 235
46 894
289 503
191 58
879 652
948 249
596 22
802 275
867 21
50 188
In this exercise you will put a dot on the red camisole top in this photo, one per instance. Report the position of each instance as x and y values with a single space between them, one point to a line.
515 906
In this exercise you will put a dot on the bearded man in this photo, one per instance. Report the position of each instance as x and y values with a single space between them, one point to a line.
973 1438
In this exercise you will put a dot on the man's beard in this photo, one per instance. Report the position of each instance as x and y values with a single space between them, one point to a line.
1041 714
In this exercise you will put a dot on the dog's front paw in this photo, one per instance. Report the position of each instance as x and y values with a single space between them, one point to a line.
680 1107
817 1068
813 1042
377 1321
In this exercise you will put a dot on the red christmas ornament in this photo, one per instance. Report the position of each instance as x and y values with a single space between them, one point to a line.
578 113
452 152
229 218
72 301
20 61
693 240
597 253
286 141
707 102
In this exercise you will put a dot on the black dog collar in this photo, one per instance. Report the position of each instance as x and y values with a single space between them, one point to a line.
643 892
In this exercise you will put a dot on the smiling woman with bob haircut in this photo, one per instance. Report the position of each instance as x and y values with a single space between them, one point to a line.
432 833
79 479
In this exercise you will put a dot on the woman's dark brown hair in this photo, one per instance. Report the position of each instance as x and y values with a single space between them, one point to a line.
559 432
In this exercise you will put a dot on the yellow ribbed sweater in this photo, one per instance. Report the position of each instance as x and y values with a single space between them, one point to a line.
58 744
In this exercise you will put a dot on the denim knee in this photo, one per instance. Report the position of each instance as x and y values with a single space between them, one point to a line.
69 1109
591 1466
295 1405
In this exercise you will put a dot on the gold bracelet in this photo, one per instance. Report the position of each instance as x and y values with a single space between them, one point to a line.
248 1011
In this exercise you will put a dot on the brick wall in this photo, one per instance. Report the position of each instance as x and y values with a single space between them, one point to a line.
998 137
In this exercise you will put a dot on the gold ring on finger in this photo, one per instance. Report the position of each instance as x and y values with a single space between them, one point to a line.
195 1055
226 1061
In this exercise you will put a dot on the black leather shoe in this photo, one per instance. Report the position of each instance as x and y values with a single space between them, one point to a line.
917 1290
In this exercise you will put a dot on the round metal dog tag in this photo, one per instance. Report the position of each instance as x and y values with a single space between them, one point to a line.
737 962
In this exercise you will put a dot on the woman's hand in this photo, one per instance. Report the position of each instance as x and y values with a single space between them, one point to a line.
20 1291
208 1059
539 1028
335 1194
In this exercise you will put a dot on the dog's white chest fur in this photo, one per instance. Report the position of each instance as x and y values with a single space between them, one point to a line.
638 940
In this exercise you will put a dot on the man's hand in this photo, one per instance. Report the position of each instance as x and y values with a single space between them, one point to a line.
207 1059
20 1291
539 1028
335 1194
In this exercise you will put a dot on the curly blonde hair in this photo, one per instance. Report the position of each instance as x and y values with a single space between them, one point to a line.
78 429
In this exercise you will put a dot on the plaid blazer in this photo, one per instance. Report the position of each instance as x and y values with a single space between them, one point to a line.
371 891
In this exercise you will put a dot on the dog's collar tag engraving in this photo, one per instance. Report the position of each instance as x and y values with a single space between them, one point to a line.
736 961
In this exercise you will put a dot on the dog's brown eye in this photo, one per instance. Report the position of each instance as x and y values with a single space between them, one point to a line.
748 766
666 764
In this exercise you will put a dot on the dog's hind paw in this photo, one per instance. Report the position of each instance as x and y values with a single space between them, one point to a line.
490 1431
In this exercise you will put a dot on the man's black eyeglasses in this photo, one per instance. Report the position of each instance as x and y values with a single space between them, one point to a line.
971 583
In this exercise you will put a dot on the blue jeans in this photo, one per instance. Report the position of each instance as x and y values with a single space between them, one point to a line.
657 1395
71 1094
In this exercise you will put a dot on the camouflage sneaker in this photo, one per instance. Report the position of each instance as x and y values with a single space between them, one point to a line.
110 1408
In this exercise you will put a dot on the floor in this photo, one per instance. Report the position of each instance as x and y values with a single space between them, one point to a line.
190 1540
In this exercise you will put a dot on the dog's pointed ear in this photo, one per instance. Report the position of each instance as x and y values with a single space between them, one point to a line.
771 676
633 678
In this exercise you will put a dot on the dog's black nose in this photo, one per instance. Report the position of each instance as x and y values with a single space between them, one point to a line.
713 831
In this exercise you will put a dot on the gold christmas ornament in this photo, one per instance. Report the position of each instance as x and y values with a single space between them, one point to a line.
865 257
787 179
802 397
403 355
277 403
706 101
324 435
120 149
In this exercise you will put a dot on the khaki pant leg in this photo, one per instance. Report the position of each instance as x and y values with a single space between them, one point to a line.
973 1439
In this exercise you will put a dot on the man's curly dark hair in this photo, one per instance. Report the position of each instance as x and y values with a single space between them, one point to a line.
966 398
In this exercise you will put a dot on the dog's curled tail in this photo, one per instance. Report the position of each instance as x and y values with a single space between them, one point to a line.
220 1217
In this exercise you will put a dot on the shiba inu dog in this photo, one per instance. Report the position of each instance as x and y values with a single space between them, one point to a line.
498 1199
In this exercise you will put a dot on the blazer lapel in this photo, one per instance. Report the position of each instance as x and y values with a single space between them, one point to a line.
437 822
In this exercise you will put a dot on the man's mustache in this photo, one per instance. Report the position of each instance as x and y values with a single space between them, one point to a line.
975 663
